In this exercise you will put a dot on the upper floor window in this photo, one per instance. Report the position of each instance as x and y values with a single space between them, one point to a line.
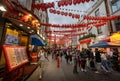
117 24
115 5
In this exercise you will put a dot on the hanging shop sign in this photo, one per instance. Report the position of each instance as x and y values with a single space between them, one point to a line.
15 56
115 38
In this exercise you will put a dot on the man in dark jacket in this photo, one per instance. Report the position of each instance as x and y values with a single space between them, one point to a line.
97 60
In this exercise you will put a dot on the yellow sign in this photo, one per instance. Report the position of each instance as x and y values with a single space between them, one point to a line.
115 38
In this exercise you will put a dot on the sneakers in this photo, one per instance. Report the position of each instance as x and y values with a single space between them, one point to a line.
83 70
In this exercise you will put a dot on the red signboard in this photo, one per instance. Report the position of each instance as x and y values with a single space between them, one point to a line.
15 56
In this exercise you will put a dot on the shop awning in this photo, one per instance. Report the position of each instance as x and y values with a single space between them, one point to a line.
104 45
106 39
88 40
36 40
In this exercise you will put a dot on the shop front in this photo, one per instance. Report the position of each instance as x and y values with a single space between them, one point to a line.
16 27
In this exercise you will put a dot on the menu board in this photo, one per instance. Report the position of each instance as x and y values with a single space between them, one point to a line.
15 56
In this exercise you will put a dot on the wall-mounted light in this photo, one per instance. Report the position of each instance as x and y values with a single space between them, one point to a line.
30 15
21 25
28 27
2 8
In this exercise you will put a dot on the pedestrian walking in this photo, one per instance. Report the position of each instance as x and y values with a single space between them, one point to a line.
104 64
43 56
75 59
97 60
115 59
83 57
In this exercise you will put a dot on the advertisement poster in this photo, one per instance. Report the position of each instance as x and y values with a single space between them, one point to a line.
15 56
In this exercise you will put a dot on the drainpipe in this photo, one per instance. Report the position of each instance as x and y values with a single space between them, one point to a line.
110 28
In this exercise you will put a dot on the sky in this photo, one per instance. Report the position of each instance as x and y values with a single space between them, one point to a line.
58 19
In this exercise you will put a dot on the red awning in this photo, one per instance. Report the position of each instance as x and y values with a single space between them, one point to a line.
85 41
106 39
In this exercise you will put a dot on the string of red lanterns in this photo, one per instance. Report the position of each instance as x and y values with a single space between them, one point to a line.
77 16
44 6
70 2
102 17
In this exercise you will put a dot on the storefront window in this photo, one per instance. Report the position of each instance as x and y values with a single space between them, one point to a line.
15 36
115 5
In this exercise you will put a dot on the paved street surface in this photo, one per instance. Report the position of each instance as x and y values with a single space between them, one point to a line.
65 73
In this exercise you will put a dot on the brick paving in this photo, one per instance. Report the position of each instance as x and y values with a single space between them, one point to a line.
65 73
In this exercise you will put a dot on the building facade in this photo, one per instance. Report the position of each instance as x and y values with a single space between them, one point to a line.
43 17
98 9
114 8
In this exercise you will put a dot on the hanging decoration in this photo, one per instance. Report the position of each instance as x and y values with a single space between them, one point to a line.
70 10
44 6
79 25
102 17
77 16
64 31
70 2
68 35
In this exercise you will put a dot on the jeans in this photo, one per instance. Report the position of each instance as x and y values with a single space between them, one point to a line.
104 65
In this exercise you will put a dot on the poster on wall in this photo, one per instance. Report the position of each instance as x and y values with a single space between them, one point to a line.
11 37
15 56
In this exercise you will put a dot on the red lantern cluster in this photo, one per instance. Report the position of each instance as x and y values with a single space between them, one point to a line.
64 31
101 18
64 3
70 2
99 24
65 25
44 6
77 16
80 1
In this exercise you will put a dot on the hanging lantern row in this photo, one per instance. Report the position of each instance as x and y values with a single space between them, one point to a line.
65 31
80 1
79 25
99 24
70 2
64 25
44 6
67 35
71 10
77 16
101 18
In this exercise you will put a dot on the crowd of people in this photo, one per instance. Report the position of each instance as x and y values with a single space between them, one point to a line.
87 58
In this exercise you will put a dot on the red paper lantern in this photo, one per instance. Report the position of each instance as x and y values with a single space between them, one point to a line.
87 0
82 1
73 16
59 4
70 2
58 12
70 14
74 2
79 1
